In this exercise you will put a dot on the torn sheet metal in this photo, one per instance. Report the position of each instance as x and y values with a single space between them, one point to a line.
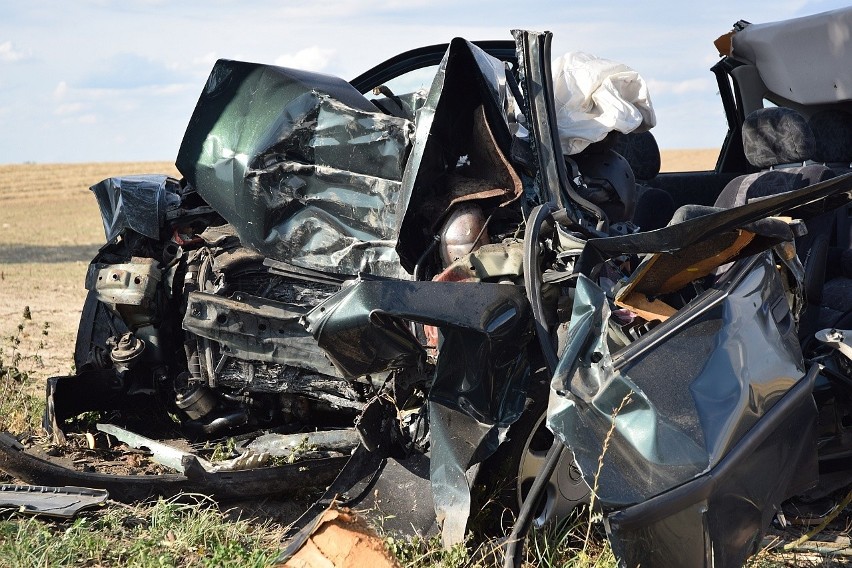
458 443
489 262
244 484
161 453
469 89
361 328
138 203
728 358
255 454
400 501
482 370
256 329
305 168
801 204
286 445
62 502
719 519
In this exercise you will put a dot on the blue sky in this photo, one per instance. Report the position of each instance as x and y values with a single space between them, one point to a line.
109 80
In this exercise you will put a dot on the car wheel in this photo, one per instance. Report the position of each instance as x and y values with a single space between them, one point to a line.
506 477
566 488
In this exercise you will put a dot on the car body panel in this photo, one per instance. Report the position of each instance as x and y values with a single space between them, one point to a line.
317 166
802 60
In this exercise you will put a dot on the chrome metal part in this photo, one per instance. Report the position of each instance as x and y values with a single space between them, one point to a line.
134 283
197 402
840 339
463 232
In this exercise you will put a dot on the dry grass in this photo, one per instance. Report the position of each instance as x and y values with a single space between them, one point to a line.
47 206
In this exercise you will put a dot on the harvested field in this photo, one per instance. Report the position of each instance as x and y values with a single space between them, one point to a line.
689 160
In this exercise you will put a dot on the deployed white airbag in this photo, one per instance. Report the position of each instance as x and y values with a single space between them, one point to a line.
594 96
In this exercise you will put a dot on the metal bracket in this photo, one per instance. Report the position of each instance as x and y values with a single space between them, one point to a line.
840 339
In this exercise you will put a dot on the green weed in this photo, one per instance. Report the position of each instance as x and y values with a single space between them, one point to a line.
21 399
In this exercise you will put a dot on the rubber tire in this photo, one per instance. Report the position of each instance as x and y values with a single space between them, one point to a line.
497 495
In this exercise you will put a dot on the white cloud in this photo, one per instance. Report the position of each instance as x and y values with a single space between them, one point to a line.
60 91
192 65
711 58
130 70
174 89
126 105
312 58
9 54
68 108
207 60
140 93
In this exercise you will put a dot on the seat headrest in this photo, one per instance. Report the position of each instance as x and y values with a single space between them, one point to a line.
832 130
773 136
641 152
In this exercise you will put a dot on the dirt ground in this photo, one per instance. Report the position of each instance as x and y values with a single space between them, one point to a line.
50 228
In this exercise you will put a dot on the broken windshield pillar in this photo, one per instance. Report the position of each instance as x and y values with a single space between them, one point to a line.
462 149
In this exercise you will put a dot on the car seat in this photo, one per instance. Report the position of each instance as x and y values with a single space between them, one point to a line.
607 181
832 130
654 207
780 142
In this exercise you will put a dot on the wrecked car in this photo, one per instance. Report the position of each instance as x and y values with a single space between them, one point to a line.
456 285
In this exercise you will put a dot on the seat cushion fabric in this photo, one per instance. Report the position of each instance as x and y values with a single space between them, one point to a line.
773 136
641 151
741 190
832 131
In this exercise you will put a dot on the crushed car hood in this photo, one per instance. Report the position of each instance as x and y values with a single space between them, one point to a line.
306 169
